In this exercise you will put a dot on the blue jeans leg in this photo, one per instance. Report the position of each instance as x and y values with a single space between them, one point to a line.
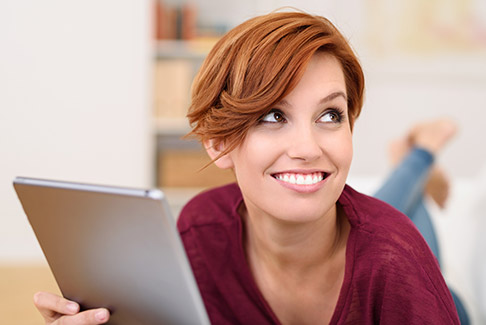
461 310
404 188
421 218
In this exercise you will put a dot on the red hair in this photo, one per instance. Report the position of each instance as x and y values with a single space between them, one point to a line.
255 65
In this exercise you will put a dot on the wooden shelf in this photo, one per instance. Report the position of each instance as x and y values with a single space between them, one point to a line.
176 64
171 126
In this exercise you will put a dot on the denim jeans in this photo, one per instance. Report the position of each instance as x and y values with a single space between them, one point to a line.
404 190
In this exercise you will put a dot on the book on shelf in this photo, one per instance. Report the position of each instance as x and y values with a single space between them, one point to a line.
175 21
172 85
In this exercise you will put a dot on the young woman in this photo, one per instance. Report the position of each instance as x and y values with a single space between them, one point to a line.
290 242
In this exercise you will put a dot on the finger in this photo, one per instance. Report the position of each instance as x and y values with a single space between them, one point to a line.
51 306
88 317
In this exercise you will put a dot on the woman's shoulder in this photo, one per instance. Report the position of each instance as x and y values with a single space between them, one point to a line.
373 215
383 233
216 205
391 262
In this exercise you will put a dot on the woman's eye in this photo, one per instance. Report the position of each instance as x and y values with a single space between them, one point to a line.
331 117
273 117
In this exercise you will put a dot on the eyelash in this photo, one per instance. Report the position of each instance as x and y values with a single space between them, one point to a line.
336 111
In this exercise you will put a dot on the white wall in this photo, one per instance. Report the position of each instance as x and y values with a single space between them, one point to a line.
401 92
74 100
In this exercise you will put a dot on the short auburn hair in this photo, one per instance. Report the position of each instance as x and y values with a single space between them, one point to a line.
255 65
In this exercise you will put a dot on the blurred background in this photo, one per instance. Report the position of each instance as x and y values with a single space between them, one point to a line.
96 91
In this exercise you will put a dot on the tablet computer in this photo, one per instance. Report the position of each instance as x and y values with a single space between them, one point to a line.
114 247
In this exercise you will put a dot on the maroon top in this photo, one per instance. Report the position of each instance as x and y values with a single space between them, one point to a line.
391 276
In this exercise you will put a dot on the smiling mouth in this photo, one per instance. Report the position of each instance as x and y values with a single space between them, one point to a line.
301 179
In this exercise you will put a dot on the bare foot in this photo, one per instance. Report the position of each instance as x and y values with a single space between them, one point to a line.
437 186
433 135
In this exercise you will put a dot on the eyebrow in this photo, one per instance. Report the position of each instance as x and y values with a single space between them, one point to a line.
328 98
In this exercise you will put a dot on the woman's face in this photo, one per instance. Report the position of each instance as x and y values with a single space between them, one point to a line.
293 165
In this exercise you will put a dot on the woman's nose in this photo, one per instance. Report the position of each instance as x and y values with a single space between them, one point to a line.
304 144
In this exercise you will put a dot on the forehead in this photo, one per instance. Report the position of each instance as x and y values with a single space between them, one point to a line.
322 77
327 65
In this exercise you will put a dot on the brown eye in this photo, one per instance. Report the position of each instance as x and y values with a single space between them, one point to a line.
278 117
331 117
273 117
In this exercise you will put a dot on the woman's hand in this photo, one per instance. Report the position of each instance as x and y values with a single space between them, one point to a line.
58 310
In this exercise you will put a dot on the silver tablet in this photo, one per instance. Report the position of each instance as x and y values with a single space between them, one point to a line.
114 247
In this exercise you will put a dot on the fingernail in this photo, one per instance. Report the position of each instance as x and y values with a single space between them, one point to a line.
73 307
101 315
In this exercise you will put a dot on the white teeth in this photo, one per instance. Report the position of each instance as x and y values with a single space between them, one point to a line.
308 180
300 179
292 179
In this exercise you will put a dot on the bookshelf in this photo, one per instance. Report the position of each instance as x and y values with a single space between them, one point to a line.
178 56
193 50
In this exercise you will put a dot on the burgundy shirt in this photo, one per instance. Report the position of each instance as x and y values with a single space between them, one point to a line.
391 276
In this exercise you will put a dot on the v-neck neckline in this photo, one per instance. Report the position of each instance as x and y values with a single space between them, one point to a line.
348 267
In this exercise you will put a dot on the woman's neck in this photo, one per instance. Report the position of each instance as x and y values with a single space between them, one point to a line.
294 247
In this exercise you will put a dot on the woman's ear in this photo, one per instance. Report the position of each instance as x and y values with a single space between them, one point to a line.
214 151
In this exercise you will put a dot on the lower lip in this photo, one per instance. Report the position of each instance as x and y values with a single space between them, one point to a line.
303 188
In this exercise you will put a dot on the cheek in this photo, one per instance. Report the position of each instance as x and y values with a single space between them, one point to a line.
254 155
258 147
348 152
341 150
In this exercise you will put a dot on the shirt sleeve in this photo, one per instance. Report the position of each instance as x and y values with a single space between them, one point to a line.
414 291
